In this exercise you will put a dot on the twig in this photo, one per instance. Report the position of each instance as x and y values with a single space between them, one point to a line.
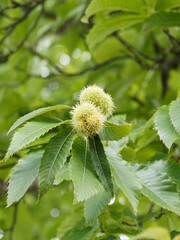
151 208
7 166
135 54
83 72
128 224
14 220
172 39
10 28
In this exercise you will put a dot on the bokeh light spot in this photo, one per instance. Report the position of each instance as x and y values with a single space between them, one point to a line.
44 71
123 237
76 53
55 213
64 59
86 56
1 233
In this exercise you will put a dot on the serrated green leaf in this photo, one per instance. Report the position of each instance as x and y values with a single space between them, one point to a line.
113 131
23 176
95 206
171 168
54 157
162 20
174 111
162 5
80 232
63 174
125 178
97 6
156 233
163 124
107 26
159 188
100 162
84 178
36 113
29 132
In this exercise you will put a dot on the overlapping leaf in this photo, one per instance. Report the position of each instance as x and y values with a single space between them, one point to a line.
23 176
97 6
36 113
54 157
113 131
101 163
29 132
163 124
84 178
95 205
125 178
159 188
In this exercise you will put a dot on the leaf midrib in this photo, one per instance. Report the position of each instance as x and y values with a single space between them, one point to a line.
84 170
47 179
169 207
99 161
124 185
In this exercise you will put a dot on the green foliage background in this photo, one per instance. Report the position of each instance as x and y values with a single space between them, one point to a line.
131 49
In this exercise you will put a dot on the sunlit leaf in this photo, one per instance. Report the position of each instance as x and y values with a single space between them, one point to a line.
97 6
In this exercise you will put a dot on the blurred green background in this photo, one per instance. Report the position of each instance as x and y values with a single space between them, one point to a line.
46 58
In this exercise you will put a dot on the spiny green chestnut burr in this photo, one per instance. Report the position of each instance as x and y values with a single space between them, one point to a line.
100 99
86 119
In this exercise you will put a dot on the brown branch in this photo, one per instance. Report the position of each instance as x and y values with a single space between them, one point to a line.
151 208
4 58
129 224
40 55
137 54
7 166
83 72
172 39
